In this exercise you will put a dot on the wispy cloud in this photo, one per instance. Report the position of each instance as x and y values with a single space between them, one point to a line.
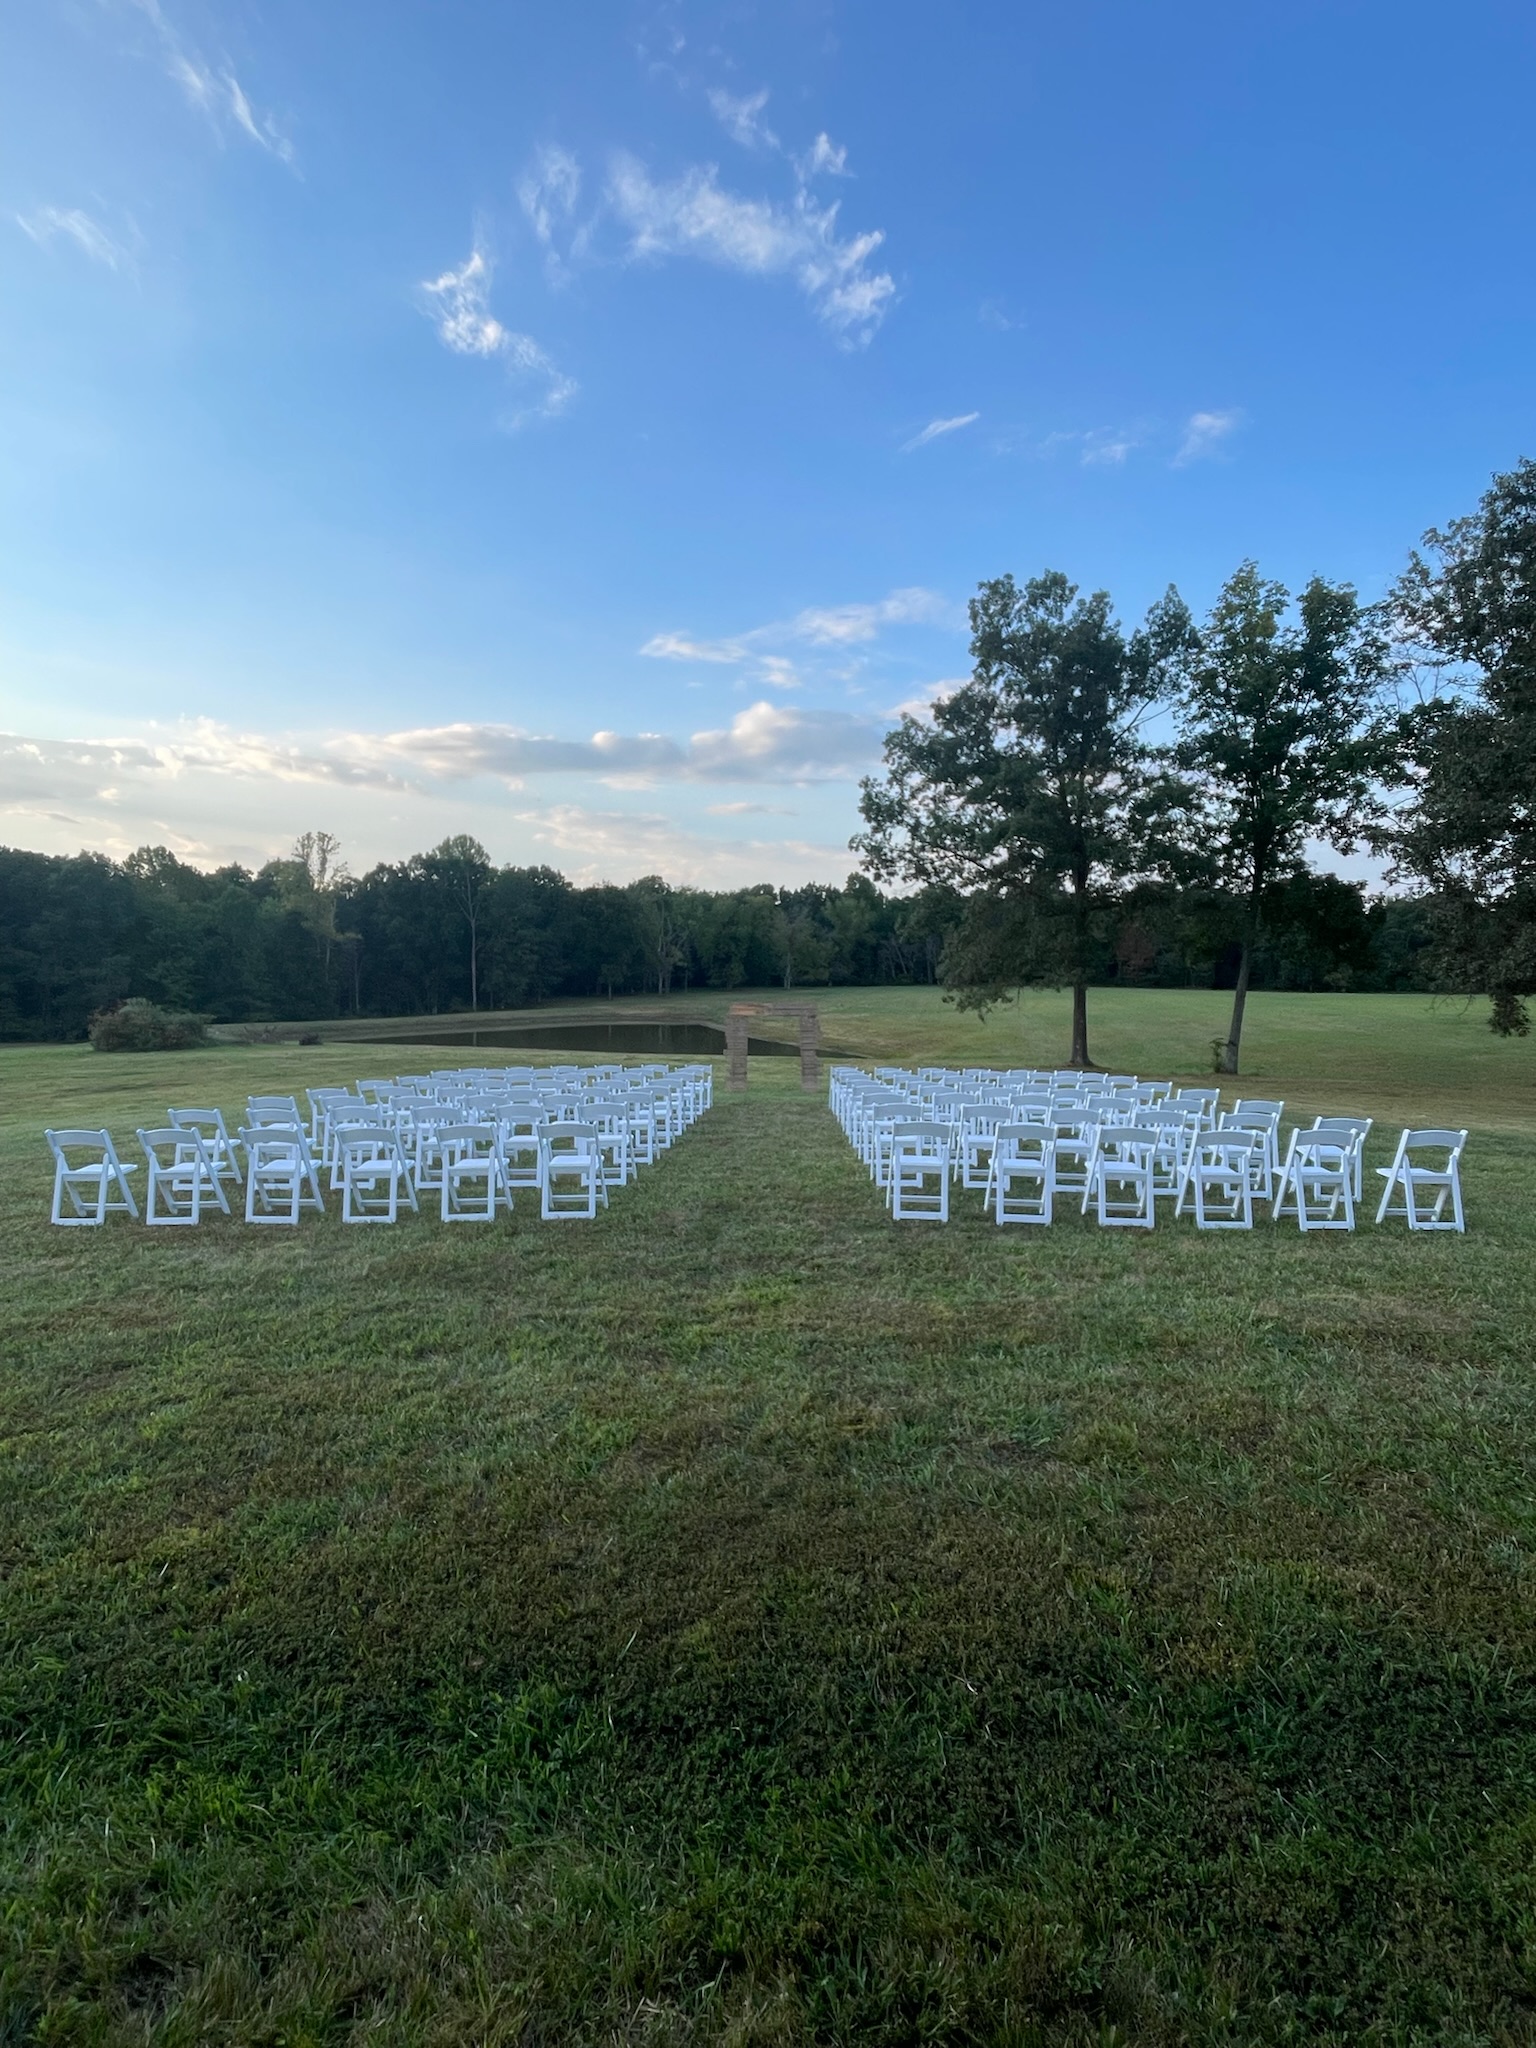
682 647
1205 433
459 305
694 215
78 227
548 192
748 810
742 119
216 93
1107 447
921 702
935 428
995 316
824 158
840 629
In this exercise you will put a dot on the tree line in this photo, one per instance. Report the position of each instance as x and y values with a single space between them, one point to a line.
1094 806
447 930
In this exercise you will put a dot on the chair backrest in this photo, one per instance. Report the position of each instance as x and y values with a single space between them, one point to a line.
1433 1141
275 1144
63 1142
203 1121
1351 1126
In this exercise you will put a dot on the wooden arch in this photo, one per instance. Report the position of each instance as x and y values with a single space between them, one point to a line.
737 1025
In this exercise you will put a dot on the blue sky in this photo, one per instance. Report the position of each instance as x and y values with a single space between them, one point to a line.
583 426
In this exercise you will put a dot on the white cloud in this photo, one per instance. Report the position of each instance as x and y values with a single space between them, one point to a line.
548 192
459 304
693 215
844 624
920 704
462 309
1204 433
742 119
824 158
764 742
835 631
748 810
935 428
78 227
1107 447
218 95
682 647
593 845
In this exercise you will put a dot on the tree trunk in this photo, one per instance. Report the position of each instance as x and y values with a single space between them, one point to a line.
1227 1059
474 968
1079 1054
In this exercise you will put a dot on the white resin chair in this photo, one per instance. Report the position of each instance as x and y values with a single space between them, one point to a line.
469 1169
1425 1176
222 1150
1206 1101
181 1174
280 1176
87 1169
1317 1182
919 1171
262 1110
1354 1130
977 1133
1124 1176
1220 1179
1021 1173
373 1176
571 1173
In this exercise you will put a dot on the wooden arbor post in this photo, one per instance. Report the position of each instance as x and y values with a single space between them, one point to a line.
737 1028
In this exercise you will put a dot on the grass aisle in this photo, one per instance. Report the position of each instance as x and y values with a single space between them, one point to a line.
748 1620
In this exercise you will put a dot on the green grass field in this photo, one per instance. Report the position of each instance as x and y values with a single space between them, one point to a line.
748 1620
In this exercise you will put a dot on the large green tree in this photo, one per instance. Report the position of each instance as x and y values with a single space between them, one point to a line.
1280 723
1032 789
462 869
1466 608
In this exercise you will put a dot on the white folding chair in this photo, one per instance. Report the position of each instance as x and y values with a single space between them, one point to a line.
1317 1182
1220 1179
1203 1100
919 1171
1021 1153
264 1110
373 1175
101 1174
222 1150
280 1176
1124 1177
571 1173
471 1182
1352 1130
180 1175
1426 1164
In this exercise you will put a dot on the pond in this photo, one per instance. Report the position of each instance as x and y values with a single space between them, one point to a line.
664 1041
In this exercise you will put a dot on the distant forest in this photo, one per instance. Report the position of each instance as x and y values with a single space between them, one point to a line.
447 931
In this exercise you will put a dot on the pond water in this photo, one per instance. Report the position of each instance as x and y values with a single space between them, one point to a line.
665 1041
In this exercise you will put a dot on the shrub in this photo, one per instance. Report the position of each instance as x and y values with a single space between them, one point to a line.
141 1026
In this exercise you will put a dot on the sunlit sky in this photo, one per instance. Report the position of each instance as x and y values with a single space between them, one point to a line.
583 426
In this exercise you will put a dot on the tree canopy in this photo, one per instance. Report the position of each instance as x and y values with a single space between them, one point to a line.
1032 789
1466 610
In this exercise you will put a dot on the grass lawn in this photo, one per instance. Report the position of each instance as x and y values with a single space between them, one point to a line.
748 1620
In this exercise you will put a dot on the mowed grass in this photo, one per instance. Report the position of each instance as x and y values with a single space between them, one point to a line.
748 1620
